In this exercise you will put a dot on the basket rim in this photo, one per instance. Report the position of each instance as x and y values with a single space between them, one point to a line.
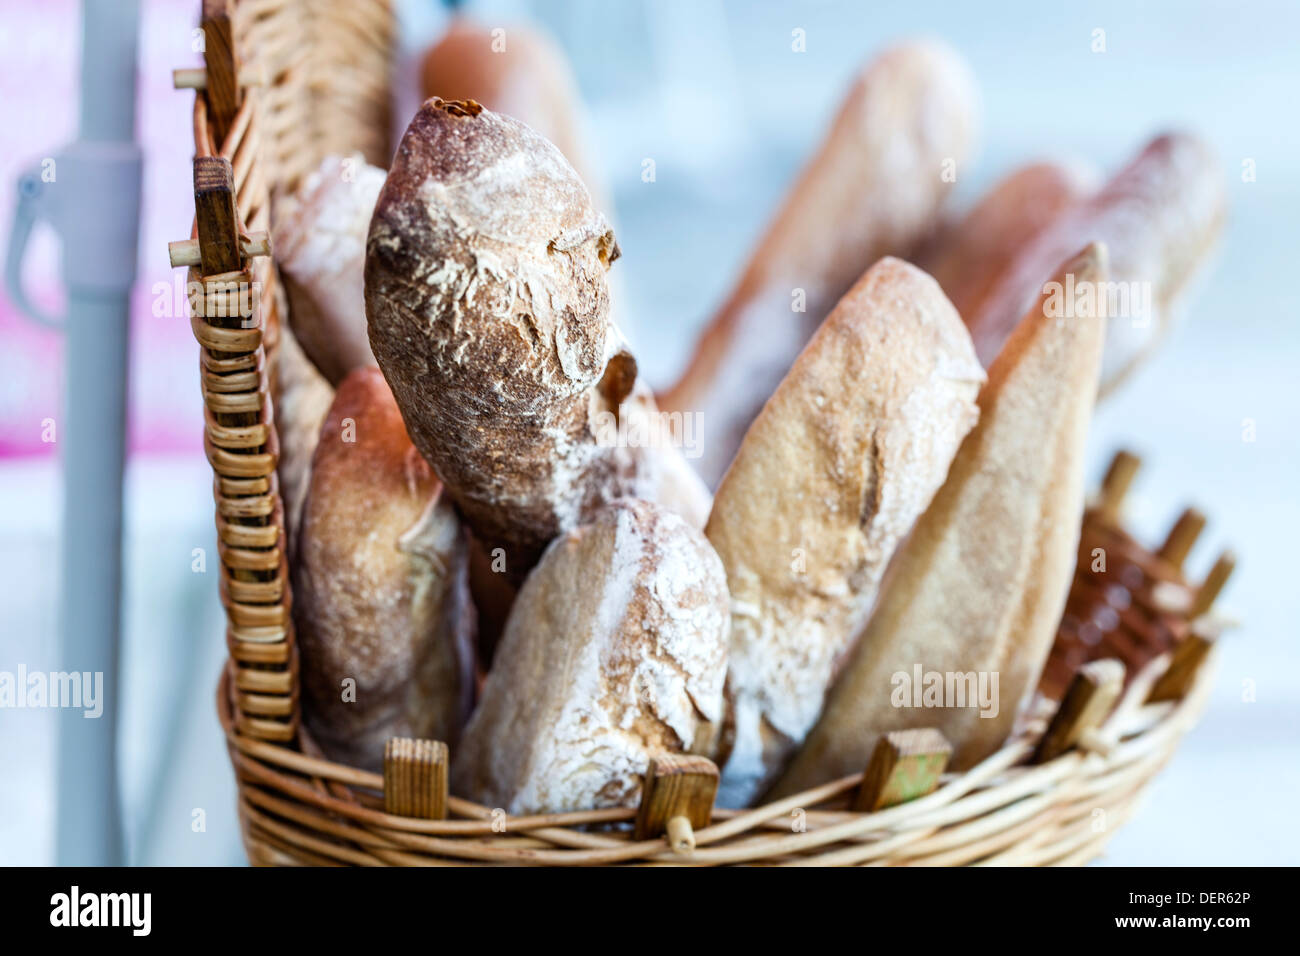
343 799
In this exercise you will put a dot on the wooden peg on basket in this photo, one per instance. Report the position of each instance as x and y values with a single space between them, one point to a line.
196 78
1213 584
1186 662
215 216
904 765
221 80
1114 487
677 799
186 252
415 778
1182 536
1088 700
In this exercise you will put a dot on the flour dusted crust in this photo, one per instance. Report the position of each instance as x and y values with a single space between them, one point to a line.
320 245
831 475
981 582
615 651
679 488
968 257
873 189
663 476
380 586
1158 217
488 305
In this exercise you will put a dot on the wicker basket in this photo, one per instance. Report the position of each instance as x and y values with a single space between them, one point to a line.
289 81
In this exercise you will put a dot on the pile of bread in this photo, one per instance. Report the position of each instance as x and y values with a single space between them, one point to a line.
478 558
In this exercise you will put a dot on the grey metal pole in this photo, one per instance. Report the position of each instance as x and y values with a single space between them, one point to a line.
97 206
89 808
108 64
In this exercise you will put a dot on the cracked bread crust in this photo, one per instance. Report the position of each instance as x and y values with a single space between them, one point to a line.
488 310
615 651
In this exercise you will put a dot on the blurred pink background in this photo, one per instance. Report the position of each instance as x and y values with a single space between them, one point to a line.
39 48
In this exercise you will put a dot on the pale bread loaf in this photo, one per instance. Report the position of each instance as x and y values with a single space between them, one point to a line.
968 256
831 475
665 476
380 588
615 651
488 306
980 584
1158 217
320 247
872 189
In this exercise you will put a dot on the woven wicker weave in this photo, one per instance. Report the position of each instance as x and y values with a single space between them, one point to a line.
321 69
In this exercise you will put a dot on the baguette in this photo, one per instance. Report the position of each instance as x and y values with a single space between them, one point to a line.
967 257
979 586
831 475
320 242
615 651
1158 217
871 190
380 588
487 304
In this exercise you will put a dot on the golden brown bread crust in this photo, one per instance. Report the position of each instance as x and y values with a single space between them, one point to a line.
871 190
1158 217
488 305
968 256
615 651
380 589
841 461
980 584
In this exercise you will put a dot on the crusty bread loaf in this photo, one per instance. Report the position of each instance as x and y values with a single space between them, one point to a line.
830 477
663 475
872 189
1158 217
303 399
519 71
968 256
380 590
320 246
615 651
488 308
979 586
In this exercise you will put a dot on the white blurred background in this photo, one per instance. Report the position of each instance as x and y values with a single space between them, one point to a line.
713 92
